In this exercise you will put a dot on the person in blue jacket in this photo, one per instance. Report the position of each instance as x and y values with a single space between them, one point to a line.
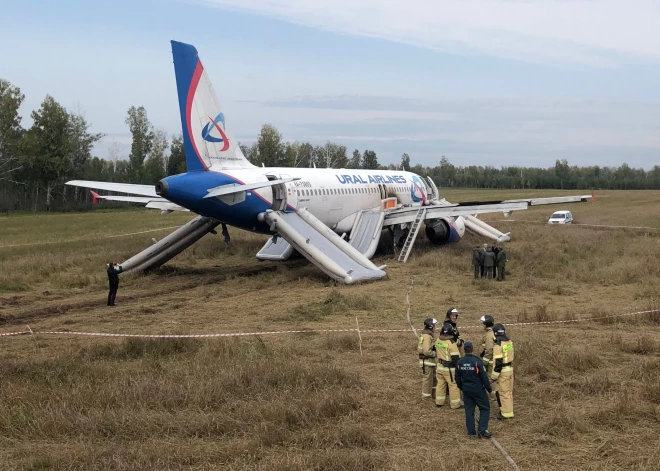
472 380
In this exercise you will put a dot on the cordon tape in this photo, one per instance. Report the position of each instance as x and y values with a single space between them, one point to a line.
284 332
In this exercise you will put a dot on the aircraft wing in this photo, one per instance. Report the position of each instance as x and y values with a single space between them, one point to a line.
553 200
443 208
142 190
435 211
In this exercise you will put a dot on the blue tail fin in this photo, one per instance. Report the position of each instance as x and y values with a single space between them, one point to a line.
207 139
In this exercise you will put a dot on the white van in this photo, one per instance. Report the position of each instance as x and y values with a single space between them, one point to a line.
561 217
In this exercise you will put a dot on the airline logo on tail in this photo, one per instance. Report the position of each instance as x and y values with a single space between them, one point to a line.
417 192
214 125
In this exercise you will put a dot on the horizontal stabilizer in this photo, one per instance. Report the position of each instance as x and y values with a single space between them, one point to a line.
143 190
129 199
229 189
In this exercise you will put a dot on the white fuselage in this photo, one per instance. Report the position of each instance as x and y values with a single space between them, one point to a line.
334 196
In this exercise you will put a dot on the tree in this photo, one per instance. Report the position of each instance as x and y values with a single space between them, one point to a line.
369 160
82 142
143 136
333 155
11 99
306 155
47 147
356 160
292 154
405 162
270 149
176 163
154 168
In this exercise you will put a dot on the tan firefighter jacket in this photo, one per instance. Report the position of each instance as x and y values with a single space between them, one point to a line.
447 352
503 357
487 348
425 349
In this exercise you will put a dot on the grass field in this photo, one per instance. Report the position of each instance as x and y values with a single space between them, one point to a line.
587 395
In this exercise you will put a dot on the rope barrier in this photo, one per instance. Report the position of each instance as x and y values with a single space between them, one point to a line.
46 242
307 331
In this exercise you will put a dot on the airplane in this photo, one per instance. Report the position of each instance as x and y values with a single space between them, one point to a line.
333 217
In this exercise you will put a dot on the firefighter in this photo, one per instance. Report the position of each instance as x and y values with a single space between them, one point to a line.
113 270
472 379
488 342
447 354
426 351
451 318
502 373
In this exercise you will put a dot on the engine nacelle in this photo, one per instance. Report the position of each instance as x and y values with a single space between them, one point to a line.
445 230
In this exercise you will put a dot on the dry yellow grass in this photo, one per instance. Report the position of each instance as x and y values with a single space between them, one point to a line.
586 394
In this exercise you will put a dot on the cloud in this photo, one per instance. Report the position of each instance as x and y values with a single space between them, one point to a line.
486 131
594 32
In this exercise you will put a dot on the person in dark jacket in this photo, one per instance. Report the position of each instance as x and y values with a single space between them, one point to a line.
500 261
472 380
477 261
482 252
495 248
113 271
489 263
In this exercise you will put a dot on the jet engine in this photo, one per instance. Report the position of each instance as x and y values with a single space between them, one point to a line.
445 230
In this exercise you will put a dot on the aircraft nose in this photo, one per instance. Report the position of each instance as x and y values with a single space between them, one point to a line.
161 188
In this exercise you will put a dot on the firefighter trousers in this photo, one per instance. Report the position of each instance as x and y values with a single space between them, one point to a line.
428 377
446 380
505 393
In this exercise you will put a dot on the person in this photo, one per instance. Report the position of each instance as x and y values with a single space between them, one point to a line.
113 272
489 340
451 317
472 380
426 351
477 262
483 259
447 354
225 234
502 374
495 248
500 261
489 263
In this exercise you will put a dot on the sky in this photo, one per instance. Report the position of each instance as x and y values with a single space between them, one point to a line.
481 82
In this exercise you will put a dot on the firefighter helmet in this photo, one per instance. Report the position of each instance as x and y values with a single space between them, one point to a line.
430 323
447 329
487 320
499 330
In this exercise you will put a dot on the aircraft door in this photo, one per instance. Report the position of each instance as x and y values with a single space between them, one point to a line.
279 193
291 194
382 190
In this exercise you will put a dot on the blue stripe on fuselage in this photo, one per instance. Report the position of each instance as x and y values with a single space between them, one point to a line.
188 190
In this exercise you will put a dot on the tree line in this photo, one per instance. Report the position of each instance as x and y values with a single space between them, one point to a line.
35 162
